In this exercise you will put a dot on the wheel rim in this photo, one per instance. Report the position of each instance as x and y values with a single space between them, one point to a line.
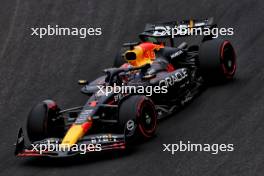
148 119
228 58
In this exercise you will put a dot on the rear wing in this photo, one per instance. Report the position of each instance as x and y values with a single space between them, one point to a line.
165 29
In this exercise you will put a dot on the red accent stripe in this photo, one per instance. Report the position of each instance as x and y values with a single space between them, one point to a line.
93 103
86 126
170 68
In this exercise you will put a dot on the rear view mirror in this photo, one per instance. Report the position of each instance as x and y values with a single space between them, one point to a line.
82 82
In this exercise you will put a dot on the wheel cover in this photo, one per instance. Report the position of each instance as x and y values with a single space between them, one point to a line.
228 59
147 119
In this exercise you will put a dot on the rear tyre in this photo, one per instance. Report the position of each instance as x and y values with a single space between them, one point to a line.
138 118
43 121
217 60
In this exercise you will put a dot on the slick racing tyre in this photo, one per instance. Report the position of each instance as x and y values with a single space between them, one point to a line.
119 59
138 117
217 60
43 121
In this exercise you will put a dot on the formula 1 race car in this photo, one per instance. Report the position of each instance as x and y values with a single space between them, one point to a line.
114 119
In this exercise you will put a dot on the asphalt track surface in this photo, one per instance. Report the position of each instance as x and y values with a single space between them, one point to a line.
33 69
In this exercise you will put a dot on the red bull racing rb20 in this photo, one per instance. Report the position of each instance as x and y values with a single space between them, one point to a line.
112 120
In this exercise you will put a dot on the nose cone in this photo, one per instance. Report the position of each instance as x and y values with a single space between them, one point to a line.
75 133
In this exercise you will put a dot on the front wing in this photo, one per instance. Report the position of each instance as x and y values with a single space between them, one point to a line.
101 142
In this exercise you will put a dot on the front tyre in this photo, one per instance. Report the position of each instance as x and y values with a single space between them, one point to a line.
43 121
138 117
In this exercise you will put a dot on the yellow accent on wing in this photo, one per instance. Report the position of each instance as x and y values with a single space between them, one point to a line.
73 135
191 25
